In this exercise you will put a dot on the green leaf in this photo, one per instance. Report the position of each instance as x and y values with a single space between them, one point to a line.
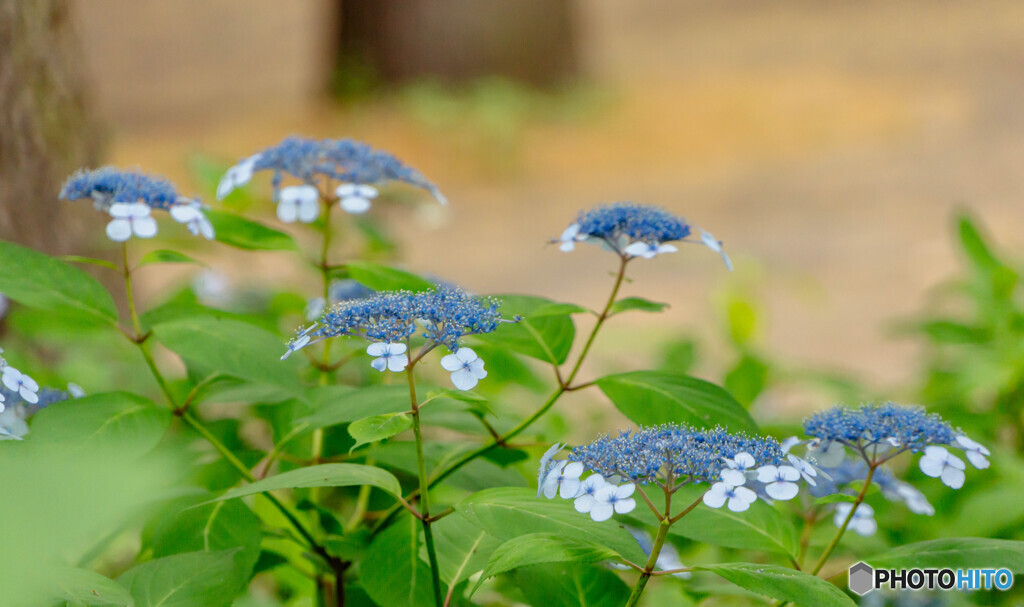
383 278
341 404
192 579
661 397
835 498
324 475
40 281
221 525
759 528
636 303
974 245
103 263
166 256
571 585
954 553
462 548
747 379
237 231
539 548
742 319
378 427
231 347
781 583
118 418
540 334
85 587
392 572
508 512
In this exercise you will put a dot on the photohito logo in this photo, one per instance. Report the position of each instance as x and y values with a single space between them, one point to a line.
864 579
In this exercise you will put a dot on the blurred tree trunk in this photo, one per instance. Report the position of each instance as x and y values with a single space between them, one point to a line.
46 131
456 40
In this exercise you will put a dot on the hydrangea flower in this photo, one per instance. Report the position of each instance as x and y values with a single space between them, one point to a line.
388 356
779 481
129 197
863 521
738 498
938 462
354 198
715 245
442 317
632 230
15 410
466 368
586 496
130 219
322 162
21 384
546 465
976 453
339 290
561 475
888 425
612 499
739 469
301 202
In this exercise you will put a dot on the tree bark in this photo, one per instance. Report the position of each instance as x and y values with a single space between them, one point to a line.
456 40
46 130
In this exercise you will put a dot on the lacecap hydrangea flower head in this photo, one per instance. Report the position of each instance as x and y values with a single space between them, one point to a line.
850 443
390 319
130 197
739 468
632 230
346 168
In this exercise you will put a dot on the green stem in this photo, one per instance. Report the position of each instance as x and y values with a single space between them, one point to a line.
849 517
421 465
652 560
550 402
188 418
563 387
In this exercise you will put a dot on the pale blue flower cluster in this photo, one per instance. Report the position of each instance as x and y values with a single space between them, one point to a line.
130 196
634 230
390 318
880 427
650 454
108 185
313 161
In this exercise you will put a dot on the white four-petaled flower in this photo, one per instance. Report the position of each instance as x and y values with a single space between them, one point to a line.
735 473
21 384
778 481
612 499
863 521
300 202
191 214
587 494
648 250
545 466
804 467
560 473
355 198
715 245
130 218
236 176
739 498
570 237
976 452
388 356
466 368
937 462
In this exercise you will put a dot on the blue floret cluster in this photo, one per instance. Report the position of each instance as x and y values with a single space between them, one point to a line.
634 221
343 160
649 455
108 185
901 426
444 314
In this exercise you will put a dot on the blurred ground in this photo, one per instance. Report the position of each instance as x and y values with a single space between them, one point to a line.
827 143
